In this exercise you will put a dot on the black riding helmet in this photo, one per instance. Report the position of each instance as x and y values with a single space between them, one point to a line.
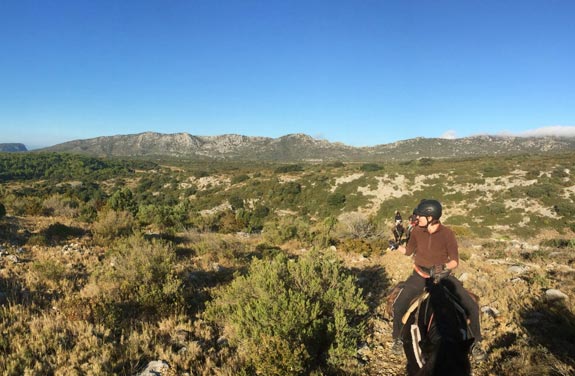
429 208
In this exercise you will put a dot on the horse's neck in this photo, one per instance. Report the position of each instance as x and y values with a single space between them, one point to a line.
449 349
443 362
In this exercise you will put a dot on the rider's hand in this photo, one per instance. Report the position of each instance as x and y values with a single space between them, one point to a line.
440 271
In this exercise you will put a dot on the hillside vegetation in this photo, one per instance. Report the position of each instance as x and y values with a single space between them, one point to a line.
231 268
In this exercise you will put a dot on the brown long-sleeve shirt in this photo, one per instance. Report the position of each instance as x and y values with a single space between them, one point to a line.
432 249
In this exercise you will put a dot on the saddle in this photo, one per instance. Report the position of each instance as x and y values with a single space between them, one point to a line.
390 299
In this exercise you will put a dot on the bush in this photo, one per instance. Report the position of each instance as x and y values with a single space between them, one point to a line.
111 224
284 229
425 161
336 199
564 209
305 313
359 246
58 205
289 168
239 178
138 280
370 167
355 226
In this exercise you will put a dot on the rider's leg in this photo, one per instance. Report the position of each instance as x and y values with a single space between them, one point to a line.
413 286
470 305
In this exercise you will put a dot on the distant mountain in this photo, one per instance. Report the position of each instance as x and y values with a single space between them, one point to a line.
13 147
301 147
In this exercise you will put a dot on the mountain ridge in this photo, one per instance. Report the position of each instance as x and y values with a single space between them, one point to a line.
302 147
12 147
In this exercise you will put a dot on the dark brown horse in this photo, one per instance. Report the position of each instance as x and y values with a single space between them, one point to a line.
436 336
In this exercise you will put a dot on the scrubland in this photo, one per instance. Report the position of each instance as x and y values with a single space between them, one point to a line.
271 269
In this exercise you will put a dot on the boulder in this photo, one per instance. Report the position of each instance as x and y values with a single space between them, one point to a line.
155 368
553 295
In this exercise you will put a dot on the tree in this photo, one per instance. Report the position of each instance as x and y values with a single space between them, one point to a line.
123 200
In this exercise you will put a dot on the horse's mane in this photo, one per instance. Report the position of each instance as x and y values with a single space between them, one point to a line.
445 343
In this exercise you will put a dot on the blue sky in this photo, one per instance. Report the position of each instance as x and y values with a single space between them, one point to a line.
361 72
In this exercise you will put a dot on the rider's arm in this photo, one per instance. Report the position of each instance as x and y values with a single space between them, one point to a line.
452 251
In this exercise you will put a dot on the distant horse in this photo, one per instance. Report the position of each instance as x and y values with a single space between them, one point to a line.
436 337
398 231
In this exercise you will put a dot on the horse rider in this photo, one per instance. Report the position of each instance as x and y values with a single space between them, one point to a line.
398 228
432 244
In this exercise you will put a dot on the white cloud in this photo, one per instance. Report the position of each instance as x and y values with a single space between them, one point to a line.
450 135
554 130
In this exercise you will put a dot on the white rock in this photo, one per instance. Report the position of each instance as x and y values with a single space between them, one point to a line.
155 368
517 269
553 295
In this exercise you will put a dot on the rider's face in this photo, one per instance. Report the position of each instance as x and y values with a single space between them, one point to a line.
421 221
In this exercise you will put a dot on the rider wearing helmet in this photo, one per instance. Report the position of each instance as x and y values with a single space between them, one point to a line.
432 244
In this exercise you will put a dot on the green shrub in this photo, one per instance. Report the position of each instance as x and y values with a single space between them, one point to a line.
358 246
239 178
228 222
336 199
494 171
496 208
558 243
236 202
284 229
292 317
289 168
370 167
425 161
123 200
460 231
564 209
253 220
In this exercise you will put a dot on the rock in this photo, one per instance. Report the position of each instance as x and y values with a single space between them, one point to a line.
553 295
517 269
493 312
155 368
13 258
464 277
222 341
217 267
